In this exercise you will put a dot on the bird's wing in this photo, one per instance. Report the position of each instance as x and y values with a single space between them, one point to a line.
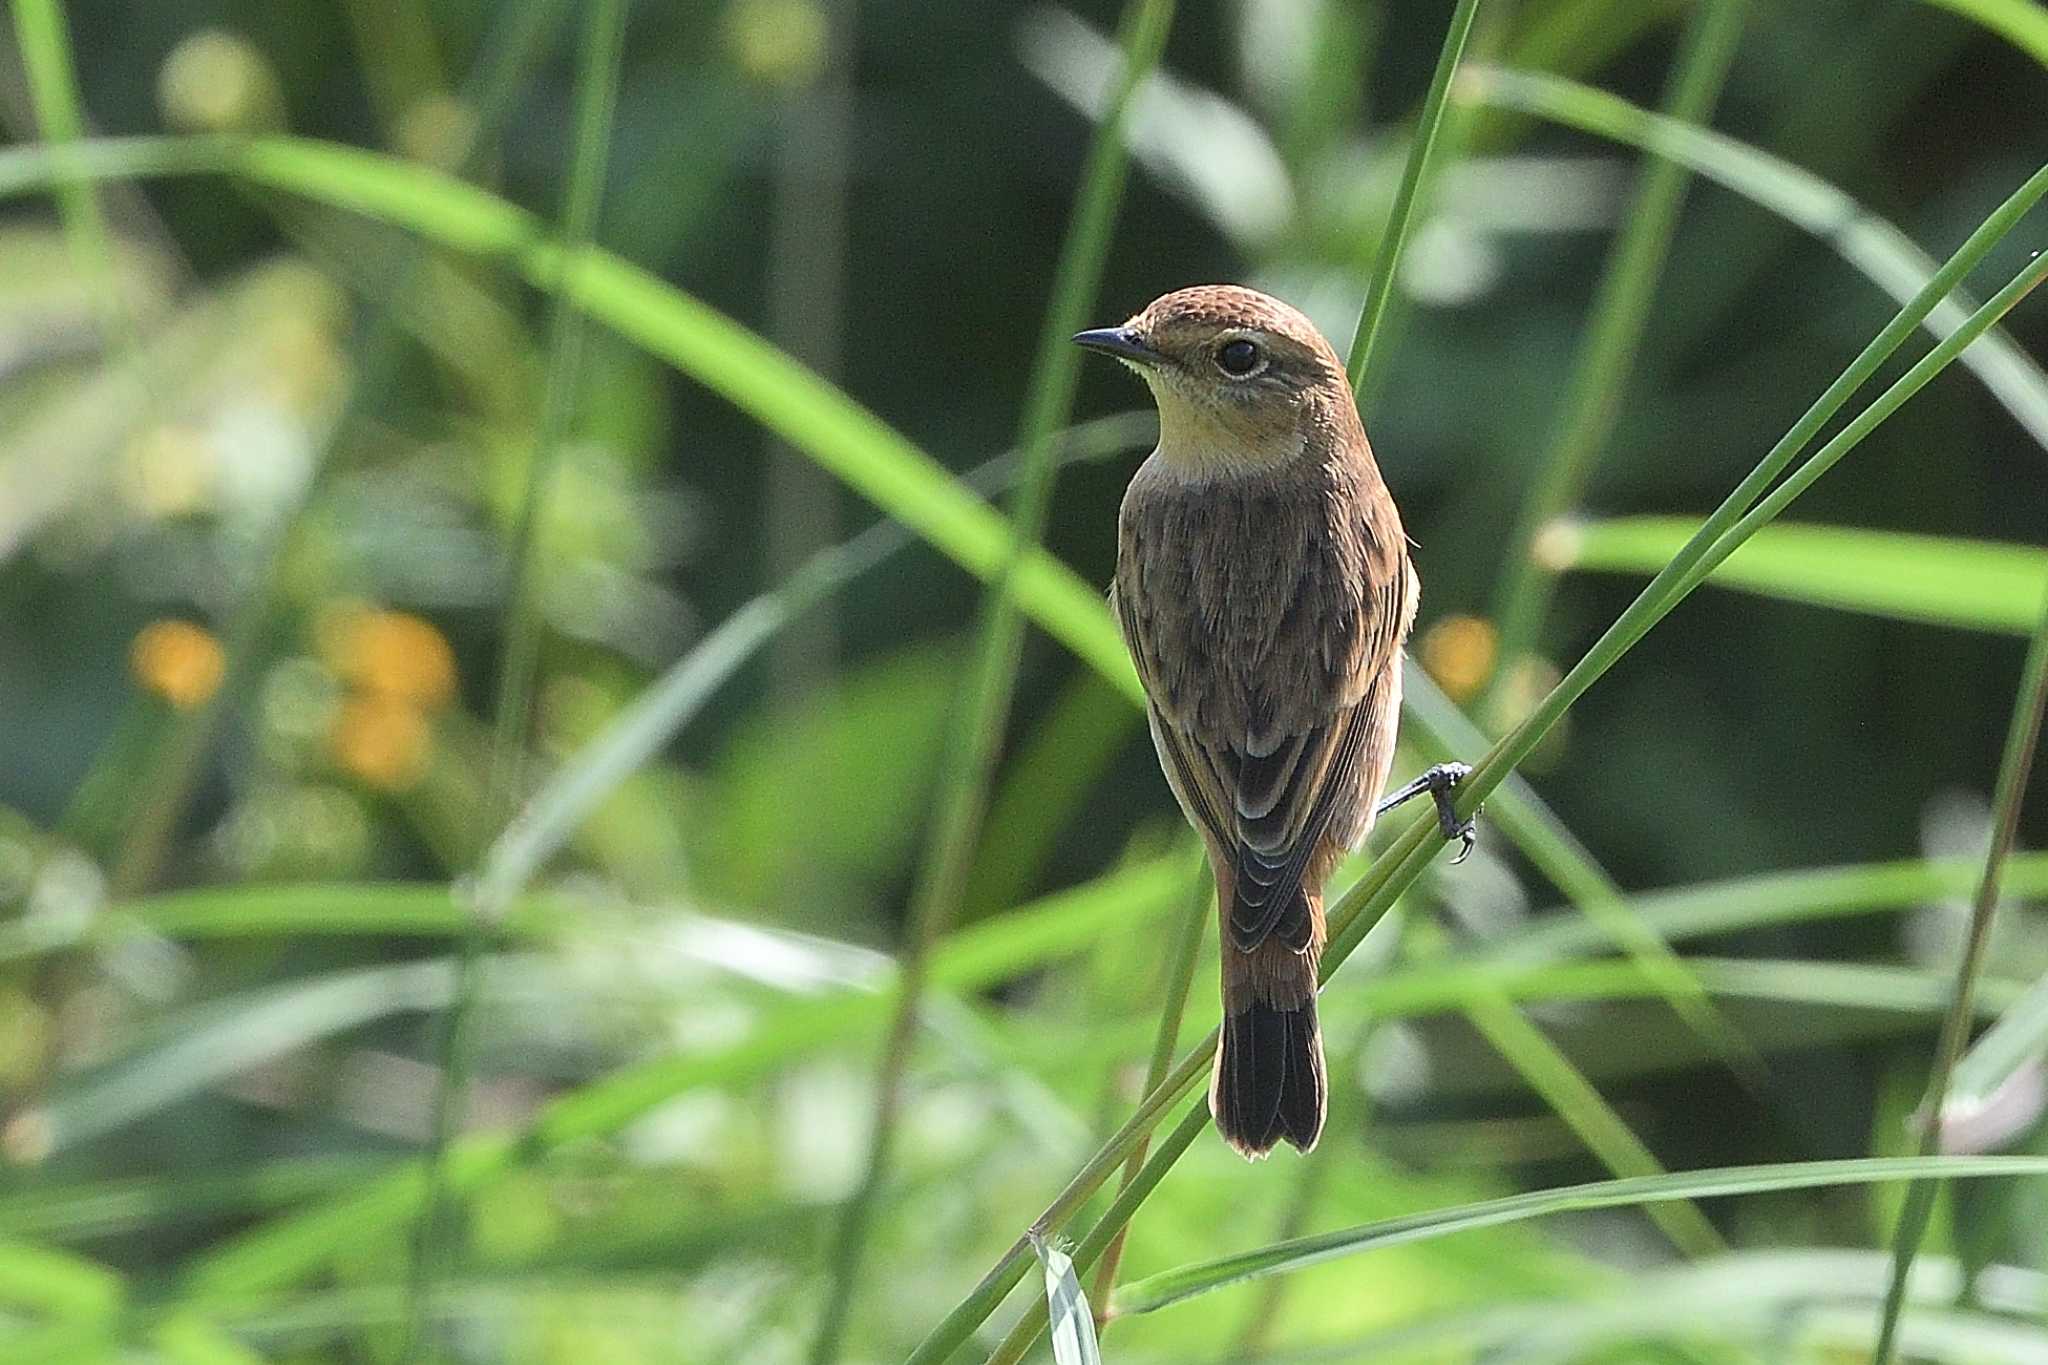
1268 803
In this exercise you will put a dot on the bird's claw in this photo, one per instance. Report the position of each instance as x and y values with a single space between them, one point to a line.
1440 781
1445 779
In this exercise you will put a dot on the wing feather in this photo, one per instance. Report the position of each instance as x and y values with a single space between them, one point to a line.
1269 747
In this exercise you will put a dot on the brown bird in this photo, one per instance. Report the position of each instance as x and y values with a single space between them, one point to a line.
1264 588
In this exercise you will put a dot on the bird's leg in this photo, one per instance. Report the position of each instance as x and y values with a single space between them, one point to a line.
1439 781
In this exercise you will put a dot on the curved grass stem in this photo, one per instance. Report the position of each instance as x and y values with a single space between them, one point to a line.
1380 288
1621 314
600 51
1180 975
2023 738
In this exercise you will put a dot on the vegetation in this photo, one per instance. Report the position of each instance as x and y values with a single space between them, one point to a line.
563 801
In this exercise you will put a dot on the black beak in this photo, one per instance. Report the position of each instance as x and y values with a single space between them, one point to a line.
1121 342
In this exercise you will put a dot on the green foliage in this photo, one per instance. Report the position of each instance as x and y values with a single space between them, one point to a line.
1944 581
426 717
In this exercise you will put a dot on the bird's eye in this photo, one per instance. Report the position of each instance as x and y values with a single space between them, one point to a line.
1237 358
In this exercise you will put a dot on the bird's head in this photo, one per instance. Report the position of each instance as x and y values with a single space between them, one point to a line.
1244 383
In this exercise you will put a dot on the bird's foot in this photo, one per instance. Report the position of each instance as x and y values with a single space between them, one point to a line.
1439 781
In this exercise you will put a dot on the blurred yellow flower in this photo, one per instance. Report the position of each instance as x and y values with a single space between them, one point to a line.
180 662
390 655
382 740
1458 651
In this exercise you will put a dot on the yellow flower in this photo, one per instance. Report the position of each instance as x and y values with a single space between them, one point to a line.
1458 652
382 740
390 655
180 662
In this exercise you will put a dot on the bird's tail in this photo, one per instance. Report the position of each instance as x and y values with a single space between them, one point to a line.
1268 1083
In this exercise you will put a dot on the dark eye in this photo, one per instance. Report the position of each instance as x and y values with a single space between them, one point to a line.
1238 357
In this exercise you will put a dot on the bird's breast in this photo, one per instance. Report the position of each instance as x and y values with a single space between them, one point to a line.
1245 603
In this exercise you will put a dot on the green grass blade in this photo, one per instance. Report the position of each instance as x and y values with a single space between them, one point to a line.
1620 316
213 1041
2023 737
1905 991
1776 898
1745 1297
58 1284
1386 264
599 53
1866 242
1114 1219
1180 976
1577 1101
128 1204
1173 1286
60 115
2023 23
1939 580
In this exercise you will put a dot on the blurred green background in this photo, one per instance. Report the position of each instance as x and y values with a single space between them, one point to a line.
264 461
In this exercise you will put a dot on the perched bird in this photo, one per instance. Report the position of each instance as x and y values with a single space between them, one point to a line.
1264 588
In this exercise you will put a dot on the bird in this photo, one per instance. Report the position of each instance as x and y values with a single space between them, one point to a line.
1264 588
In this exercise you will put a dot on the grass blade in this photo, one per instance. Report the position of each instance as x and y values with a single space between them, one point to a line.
1620 314
2021 740
600 50
221 1038
2020 23
112 1207
1066 1308
1173 1286
1866 242
1562 1086
1380 288
58 1283
1180 975
286 1251
1775 898
60 115
1939 580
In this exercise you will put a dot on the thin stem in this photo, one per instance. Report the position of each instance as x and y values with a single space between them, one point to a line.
982 707
596 97
1180 975
1113 1220
2022 738
1399 867
1621 313
60 117
1380 287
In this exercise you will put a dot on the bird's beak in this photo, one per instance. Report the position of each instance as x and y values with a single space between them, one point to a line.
1121 342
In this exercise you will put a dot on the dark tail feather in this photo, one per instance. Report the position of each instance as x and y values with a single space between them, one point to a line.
1269 1083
